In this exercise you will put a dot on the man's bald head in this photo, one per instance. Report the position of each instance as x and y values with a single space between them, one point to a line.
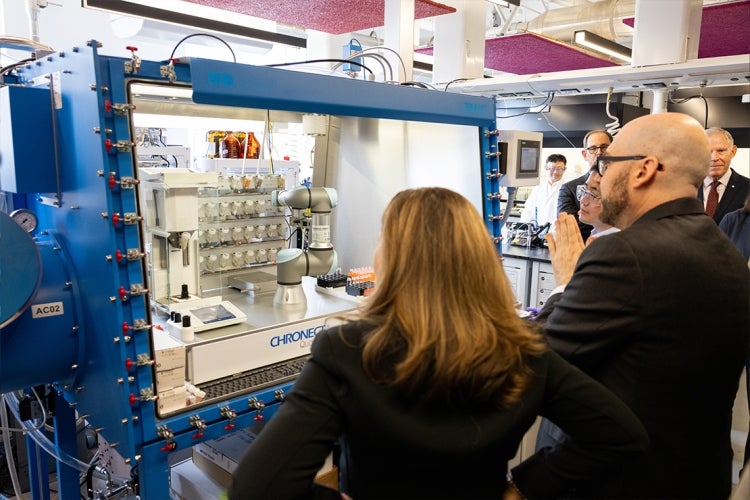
677 140
676 158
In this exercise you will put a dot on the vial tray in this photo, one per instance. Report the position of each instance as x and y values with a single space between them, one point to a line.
253 380
331 280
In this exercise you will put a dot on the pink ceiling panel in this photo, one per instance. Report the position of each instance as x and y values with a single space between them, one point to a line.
725 30
329 16
530 53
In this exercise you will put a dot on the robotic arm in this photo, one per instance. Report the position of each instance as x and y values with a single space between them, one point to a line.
320 257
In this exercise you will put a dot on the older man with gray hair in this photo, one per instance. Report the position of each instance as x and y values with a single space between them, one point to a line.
723 190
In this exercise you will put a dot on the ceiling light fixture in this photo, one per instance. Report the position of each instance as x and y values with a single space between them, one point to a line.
601 44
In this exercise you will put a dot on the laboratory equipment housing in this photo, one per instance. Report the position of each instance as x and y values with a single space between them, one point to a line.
110 245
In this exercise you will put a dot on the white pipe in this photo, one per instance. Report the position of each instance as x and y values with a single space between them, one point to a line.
660 101
32 12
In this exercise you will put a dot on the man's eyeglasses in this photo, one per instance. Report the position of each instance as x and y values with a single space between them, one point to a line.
594 149
582 192
603 163
556 169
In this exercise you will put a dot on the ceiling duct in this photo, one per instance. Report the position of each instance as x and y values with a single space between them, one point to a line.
603 18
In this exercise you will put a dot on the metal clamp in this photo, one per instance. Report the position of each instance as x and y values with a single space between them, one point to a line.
199 424
230 415
166 433
279 395
257 405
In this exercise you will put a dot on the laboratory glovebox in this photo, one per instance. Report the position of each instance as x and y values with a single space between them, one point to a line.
117 239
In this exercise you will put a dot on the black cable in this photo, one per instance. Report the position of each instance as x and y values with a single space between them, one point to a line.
90 480
319 61
418 84
171 57
291 235
547 102
454 81
686 99
13 66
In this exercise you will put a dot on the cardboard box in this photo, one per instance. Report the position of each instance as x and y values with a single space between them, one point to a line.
169 379
172 399
219 458
188 482
169 353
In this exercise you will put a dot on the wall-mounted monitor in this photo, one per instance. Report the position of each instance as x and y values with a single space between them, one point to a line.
520 157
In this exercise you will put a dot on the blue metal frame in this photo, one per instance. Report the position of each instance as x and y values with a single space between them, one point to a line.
101 384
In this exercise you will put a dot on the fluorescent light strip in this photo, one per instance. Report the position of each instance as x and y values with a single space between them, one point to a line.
600 44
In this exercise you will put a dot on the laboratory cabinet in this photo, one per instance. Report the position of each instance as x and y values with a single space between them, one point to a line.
542 283
530 274
517 271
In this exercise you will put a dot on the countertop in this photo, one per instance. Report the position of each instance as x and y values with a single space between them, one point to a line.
533 253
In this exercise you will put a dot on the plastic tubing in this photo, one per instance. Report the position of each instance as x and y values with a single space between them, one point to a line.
43 441
8 453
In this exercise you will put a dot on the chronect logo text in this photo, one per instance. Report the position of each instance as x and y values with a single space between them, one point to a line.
304 337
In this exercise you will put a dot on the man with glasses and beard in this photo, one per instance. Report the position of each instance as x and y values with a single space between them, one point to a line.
595 144
637 309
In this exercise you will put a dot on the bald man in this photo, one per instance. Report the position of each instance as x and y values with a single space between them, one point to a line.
638 310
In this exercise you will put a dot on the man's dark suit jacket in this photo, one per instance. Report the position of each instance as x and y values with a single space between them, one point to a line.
736 225
737 189
660 314
568 202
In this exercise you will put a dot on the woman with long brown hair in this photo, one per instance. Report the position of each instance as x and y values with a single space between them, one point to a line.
429 390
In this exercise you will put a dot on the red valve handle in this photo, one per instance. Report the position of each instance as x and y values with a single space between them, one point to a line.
107 107
119 255
129 364
108 144
169 447
229 427
112 181
125 327
197 435
258 417
131 48
115 219
132 399
123 293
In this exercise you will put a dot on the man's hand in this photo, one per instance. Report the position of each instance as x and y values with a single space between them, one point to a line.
565 246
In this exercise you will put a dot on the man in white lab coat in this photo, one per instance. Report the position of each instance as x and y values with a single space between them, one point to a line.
541 205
